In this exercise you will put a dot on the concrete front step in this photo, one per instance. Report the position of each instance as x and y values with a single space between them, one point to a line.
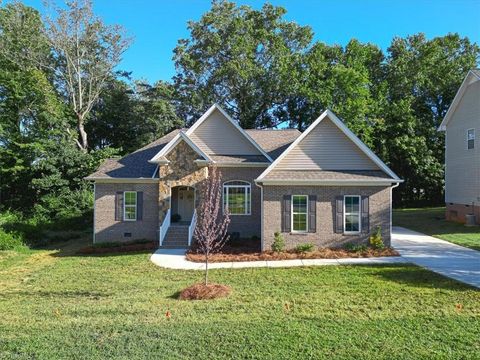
173 247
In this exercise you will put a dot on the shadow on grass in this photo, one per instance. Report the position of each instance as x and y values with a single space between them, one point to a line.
57 294
415 276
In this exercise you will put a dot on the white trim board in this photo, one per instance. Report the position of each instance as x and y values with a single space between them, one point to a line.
174 142
343 182
470 78
346 131
234 123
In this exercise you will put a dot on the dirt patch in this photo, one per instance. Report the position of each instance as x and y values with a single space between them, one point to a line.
118 249
204 292
225 256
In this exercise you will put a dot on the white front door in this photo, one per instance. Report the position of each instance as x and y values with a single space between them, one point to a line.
186 204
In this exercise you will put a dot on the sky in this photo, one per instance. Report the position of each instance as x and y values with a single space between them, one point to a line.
156 25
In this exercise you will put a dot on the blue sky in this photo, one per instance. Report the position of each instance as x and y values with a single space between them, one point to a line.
156 25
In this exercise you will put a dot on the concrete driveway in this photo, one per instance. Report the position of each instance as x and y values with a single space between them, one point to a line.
440 256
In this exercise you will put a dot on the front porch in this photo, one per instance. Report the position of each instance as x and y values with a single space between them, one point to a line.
176 231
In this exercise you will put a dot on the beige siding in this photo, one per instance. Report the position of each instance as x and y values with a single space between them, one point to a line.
326 147
216 135
462 172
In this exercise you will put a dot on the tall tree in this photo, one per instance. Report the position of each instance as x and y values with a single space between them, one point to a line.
128 116
423 77
241 58
86 52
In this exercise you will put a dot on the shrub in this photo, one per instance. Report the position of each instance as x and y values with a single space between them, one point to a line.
376 241
278 242
303 248
355 247
10 241
176 218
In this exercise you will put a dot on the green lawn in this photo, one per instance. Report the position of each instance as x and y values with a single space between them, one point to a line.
431 221
57 305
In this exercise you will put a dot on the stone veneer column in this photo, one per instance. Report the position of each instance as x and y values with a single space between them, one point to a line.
181 171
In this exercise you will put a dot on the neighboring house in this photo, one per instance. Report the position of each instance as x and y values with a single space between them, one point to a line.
462 151
322 186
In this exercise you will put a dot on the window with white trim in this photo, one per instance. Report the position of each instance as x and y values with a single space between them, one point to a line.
299 213
237 197
470 139
130 205
351 214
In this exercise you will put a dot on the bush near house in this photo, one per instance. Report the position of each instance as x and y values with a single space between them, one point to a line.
278 242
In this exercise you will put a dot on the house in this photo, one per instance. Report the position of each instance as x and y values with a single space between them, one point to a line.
462 151
322 186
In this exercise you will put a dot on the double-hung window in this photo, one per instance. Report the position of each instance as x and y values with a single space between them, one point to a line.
237 197
299 213
470 139
130 205
351 214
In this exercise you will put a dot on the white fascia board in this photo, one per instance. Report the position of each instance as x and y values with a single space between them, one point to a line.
470 78
333 182
174 142
346 131
234 123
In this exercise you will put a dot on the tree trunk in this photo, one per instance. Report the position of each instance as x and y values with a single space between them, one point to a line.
83 144
206 268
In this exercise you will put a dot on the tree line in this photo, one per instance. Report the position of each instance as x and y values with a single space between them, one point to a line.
65 106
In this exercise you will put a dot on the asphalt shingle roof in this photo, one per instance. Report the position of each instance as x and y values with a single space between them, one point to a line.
136 165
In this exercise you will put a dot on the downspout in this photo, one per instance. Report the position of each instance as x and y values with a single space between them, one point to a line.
261 216
391 206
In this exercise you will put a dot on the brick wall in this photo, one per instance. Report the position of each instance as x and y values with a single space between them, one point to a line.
457 212
109 230
325 236
246 225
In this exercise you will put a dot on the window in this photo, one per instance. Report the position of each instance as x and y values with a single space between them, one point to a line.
470 139
237 197
130 205
299 213
351 214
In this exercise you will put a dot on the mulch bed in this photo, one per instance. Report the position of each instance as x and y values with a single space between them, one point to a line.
204 292
118 249
228 255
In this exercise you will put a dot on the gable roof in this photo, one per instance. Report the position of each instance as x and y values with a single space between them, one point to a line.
205 117
472 76
336 121
159 158
274 141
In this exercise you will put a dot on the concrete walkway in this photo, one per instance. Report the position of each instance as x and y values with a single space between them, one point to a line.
440 256
175 259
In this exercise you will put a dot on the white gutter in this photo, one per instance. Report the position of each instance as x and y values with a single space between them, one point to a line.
391 208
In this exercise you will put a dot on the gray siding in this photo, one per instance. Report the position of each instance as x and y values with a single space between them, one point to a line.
216 135
326 147
462 166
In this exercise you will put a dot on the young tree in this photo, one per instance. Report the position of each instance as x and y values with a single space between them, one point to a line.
211 230
86 52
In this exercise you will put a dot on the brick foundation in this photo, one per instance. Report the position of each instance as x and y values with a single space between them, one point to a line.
457 212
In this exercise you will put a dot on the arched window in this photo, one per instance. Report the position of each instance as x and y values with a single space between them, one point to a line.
237 197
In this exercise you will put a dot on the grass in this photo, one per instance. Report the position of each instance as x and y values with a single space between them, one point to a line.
431 221
57 305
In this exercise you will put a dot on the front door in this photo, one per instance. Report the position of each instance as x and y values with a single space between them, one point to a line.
186 203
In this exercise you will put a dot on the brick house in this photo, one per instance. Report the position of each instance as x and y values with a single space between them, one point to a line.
322 186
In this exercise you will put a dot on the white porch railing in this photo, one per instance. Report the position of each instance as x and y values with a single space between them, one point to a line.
191 228
164 227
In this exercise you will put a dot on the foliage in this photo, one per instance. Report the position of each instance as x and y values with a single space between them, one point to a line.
10 241
241 58
176 218
431 221
304 248
278 242
355 247
43 317
210 232
86 52
376 240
